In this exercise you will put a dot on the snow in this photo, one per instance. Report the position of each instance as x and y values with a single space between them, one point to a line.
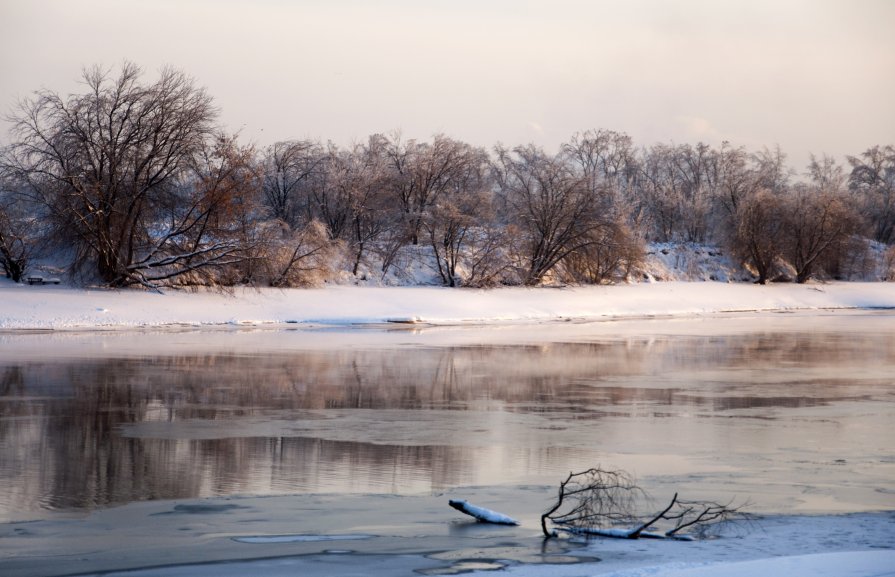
64 307
696 279
858 545
844 564
673 261
482 514
794 546
849 564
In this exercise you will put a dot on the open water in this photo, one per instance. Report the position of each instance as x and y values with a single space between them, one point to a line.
795 413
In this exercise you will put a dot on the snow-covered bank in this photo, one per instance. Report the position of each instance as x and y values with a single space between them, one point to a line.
50 307
846 564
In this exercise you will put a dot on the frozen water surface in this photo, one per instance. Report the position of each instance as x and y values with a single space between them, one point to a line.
267 434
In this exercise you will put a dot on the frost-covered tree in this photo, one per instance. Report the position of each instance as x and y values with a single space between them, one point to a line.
550 210
737 178
675 188
305 256
418 172
110 166
872 180
749 216
460 225
771 169
826 174
18 233
816 223
756 232
605 158
287 169
358 212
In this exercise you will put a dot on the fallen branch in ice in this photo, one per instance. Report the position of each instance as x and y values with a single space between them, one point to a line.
481 514
604 503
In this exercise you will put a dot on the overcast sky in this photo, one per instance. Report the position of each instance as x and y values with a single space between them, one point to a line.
810 75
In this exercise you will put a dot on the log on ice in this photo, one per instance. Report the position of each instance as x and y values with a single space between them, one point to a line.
481 514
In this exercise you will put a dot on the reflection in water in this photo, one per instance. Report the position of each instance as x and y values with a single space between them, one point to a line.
80 434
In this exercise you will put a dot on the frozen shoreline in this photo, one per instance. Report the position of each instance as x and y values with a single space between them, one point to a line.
60 308
358 536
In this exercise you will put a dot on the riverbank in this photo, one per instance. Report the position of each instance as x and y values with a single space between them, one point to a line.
25 307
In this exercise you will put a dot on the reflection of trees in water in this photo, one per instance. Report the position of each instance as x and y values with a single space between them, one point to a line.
59 431
12 383
833 349
92 463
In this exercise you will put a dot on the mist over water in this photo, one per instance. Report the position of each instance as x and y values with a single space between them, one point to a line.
793 420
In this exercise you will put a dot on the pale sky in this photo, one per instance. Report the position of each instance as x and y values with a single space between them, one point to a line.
810 75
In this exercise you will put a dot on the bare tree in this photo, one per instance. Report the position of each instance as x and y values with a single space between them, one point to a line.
418 172
110 165
287 168
697 172
872 178
677 188
458 224
608 503
485 262
736 179
358 180
331 192
613 252
658 193
889 264
223 186
772 173
606 158
18 230
826 174
750 194
756 233
16 241
815 223
303 257
453 225
551 211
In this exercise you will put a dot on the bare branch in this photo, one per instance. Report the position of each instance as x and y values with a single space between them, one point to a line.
605 503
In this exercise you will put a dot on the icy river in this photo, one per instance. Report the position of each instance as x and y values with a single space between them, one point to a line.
370 430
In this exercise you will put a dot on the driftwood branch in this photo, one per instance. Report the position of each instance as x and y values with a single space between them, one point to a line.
606 503
643 527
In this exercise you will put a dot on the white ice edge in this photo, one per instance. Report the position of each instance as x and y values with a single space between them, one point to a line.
841 564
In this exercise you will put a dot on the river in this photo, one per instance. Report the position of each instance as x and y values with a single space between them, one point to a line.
792 413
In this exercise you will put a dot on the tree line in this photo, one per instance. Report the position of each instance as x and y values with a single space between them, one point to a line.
134 183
